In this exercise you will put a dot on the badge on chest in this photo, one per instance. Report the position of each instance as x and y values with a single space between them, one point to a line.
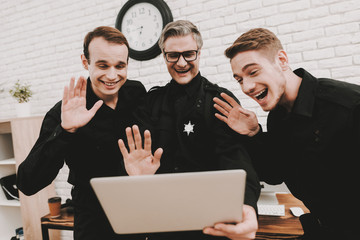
189 128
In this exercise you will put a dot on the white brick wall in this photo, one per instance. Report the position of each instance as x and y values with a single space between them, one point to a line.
41 43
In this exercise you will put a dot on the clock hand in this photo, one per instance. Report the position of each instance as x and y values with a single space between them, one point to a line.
136 29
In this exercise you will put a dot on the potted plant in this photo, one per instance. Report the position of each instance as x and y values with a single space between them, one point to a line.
22 94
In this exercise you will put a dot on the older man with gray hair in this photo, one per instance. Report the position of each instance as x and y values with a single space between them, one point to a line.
181 119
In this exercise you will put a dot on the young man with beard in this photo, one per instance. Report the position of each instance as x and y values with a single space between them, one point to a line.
313 132
82 130
181 120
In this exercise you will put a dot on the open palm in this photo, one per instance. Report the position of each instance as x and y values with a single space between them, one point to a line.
237 118
74 113
139 160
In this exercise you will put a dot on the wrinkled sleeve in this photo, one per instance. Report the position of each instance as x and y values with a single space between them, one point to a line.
232 154
47 156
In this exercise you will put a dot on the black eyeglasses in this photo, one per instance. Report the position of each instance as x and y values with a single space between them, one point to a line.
173 57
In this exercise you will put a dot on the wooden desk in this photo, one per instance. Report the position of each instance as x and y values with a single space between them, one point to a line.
286 227
64 222
270 227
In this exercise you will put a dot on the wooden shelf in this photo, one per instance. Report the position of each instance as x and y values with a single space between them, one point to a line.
10 161
10 203
17 137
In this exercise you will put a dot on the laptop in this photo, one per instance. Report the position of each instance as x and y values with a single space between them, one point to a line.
171 202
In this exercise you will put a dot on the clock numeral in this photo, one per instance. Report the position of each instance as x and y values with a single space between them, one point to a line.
143 44
157 25
149 12
133 14
155 18
129 22
141 11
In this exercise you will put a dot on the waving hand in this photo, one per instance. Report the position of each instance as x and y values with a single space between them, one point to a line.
139 160
74 113
239 119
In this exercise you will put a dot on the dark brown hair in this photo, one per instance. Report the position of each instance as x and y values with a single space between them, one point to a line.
255 39
110 34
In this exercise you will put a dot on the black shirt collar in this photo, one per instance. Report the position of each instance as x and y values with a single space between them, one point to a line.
305 99
190 89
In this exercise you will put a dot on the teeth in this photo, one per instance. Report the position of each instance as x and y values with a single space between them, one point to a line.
110 83
262 94
257 95
184 71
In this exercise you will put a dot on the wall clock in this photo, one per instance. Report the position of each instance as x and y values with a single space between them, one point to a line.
141 21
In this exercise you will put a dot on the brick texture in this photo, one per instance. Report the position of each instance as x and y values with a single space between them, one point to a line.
41 43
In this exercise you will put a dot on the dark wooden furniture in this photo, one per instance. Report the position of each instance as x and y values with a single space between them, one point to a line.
270 227
64 222
285 227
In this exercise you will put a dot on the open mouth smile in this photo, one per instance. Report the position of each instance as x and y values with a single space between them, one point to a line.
261 94
182 71
110 83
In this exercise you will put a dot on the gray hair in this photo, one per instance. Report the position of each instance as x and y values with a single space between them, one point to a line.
180 28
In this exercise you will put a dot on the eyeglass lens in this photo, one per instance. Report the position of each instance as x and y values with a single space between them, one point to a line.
187 55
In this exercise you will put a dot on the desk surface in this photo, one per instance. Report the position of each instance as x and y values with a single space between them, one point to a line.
285 226
65 221
269 226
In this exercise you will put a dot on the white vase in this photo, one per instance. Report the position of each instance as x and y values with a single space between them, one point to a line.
23 109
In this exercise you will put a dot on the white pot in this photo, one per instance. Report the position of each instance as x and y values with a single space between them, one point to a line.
23 109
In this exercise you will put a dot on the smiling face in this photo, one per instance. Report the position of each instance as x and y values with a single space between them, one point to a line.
107 68
182 71
260 77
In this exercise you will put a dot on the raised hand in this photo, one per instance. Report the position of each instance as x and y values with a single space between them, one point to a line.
74 113
239 119
139 160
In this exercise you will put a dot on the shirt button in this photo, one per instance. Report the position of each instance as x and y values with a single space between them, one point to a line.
176 169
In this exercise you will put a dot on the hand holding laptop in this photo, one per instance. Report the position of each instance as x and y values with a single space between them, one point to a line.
139 160
243 230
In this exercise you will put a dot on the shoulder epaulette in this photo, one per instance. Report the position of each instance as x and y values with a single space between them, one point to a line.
348 94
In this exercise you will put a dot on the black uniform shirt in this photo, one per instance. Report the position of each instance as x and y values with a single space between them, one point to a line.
314 148
90 152
182 122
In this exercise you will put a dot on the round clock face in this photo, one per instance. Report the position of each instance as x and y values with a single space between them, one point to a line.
142 25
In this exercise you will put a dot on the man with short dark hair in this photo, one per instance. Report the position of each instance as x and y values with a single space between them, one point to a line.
82 130
313 132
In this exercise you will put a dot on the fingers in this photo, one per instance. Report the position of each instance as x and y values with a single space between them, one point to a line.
214 232
65 98
137 137
229 99
96 107
78 87
147 141
222 104
221 110
71 88
221 117
123 149
83 87
130 139
157 155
